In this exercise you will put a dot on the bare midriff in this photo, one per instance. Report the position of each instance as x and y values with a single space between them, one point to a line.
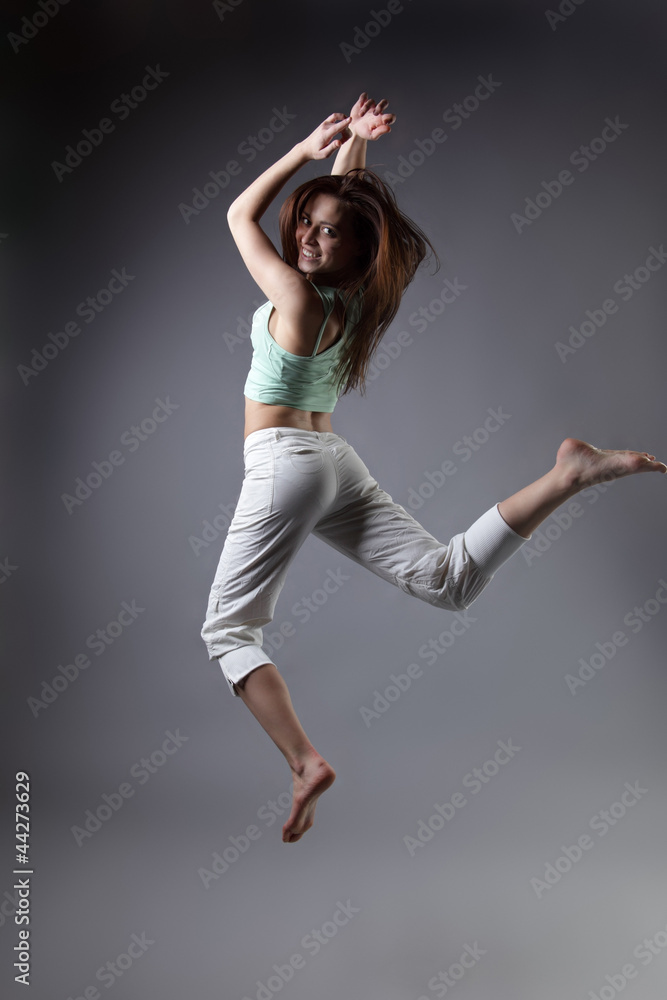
261 415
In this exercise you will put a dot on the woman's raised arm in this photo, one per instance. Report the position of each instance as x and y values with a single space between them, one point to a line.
282 285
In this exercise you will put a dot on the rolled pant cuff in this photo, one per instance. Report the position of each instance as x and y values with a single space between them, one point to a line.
238 663
490 541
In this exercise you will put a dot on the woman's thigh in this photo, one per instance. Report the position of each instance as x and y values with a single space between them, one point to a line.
371 529
289 483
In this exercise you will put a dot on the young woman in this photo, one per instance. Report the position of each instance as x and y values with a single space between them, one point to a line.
348 256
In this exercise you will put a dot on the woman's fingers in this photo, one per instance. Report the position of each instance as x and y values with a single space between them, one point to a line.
369 119
329 136
333 124
327 144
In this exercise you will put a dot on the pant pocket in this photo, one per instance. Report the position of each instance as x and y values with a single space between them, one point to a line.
305 459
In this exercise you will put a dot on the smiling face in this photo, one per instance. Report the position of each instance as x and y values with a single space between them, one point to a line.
328 249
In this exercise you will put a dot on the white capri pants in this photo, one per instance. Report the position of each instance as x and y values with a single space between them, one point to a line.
300 481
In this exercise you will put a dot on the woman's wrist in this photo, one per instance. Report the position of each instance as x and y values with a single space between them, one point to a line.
300 155
351 154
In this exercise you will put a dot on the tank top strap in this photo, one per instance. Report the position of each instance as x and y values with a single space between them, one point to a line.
328 301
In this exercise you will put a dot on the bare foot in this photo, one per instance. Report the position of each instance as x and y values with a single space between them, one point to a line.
584 465
312 778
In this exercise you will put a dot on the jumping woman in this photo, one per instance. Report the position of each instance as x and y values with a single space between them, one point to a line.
349 254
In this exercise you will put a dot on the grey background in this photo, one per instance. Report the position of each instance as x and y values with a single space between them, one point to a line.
132 539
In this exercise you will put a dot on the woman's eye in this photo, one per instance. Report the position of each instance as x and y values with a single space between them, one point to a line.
330 232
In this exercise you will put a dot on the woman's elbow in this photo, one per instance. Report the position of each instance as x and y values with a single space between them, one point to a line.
232 214
240 219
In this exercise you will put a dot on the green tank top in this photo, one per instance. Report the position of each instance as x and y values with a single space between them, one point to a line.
279 377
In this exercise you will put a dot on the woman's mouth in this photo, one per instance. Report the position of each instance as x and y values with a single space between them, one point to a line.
309 255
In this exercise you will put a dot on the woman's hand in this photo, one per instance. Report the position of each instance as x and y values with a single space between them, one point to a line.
323 142
368 119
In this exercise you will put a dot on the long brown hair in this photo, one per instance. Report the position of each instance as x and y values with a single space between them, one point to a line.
393 249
